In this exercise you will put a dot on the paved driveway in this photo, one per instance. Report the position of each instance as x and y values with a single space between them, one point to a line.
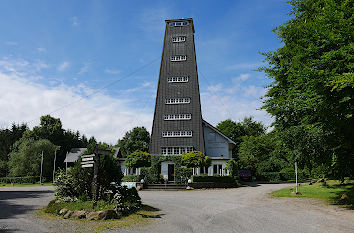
246 209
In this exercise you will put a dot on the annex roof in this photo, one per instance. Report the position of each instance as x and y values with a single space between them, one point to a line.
74 155
218 132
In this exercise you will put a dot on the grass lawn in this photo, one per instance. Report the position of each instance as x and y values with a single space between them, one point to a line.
331 192
25 184
142 216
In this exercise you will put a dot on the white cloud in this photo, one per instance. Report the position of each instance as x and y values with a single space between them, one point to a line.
63 66
241 78
41 49
75 21
11 43
215 88
244 66
111 71
84 68
99 115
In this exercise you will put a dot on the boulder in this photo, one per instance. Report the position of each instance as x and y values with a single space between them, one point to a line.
79 214
344 196
102 215
68 214
63 211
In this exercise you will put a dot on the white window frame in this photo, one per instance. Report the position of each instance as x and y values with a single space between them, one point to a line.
185 100
182 79
179 24
179 58
178 39
176 150
177 117
177 134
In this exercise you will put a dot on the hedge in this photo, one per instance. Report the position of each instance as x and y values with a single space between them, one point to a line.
216 178
282 176
131 178
20 180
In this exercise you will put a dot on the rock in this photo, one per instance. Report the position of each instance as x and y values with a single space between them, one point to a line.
344 196
63 211
189 188
57 201
68 214
102 215
79 214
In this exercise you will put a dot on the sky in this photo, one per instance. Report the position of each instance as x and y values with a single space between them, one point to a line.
95 64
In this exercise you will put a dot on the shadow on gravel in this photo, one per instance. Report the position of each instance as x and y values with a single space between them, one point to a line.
9 208
249 184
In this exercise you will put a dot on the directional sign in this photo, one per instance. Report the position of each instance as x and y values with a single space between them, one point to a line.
87 165
87 159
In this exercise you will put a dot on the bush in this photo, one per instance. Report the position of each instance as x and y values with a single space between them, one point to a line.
131 178
20 180
149 176
182 175
126 200
216 178
284 175
138 159
320 172
271 176
77 183
232 167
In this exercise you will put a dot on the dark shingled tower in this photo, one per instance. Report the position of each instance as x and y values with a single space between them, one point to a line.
177 125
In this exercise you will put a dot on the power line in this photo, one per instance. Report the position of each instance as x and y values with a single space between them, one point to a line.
100 89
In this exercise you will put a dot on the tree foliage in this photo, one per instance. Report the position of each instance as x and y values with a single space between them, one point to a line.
312 94
236 131
25 159
136 139
138 159
7 138
195 159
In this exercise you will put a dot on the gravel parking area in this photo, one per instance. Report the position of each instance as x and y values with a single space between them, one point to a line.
245 209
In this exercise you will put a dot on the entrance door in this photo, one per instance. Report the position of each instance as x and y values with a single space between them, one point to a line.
171 172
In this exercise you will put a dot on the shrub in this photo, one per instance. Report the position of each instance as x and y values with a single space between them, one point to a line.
131 178
126 200
138 159
149 176
195 159
77 183
320 172
271 176
216 178
231 166
182 175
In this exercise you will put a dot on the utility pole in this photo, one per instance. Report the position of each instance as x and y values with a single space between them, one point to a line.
296 177
55 158
66 164
40 178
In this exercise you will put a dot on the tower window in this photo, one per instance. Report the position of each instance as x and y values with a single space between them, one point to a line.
183 79
177 39
178 24
177 134
179 58
186 116
178 101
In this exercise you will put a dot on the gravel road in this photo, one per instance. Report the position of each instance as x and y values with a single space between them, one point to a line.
246 209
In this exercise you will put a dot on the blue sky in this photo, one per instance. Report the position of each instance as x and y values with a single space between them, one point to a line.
95 64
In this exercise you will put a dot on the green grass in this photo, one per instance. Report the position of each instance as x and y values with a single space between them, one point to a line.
140 217
330 192
25 184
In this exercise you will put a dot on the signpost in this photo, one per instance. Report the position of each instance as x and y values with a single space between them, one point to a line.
93 161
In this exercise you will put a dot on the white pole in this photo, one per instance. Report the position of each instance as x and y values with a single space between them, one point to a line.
55 158
40 178
66 164
296 177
